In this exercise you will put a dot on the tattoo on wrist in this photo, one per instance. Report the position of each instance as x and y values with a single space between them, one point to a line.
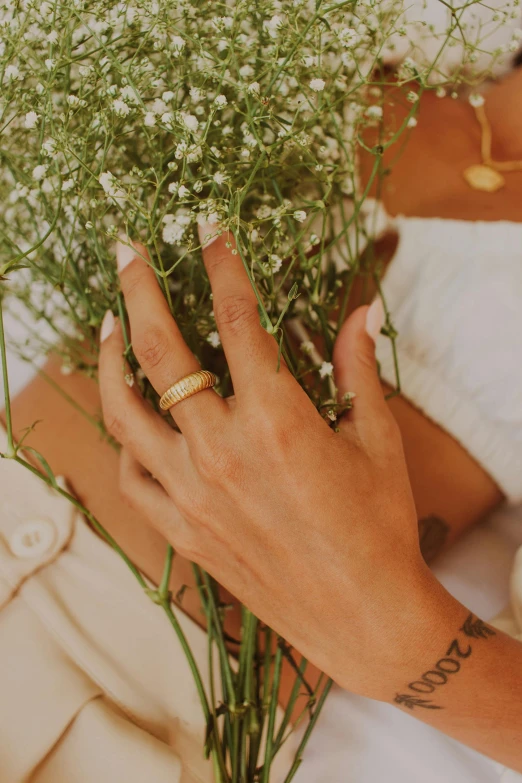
445 668
433 532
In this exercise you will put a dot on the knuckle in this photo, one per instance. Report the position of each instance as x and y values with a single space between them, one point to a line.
279 430
278 435
115 424
151 348
365 357
235 313
127 492
388 438
216 258
132 280
390 430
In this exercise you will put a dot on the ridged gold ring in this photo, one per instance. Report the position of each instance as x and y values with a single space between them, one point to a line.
186 387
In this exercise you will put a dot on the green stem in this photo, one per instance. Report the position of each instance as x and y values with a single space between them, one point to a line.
167 608
163 589
11 451
220 640
299 753
265 775
291 704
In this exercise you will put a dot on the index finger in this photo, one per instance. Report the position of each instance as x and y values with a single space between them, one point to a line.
248 347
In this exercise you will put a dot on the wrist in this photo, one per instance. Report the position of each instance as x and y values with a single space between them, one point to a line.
427 654
417 634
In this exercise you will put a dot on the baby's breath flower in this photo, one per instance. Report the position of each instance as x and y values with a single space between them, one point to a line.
214 339
177 45
254 88
300 215
49 147
326 369
85 71
374 112
31 119
159 106
12 73
167 118
110 185
412 122
190 121
276 262
307 346
221 100
273 25
149 119
348 37
39 172
317 85
121 108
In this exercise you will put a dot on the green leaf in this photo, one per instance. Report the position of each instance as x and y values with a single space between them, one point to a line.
45 465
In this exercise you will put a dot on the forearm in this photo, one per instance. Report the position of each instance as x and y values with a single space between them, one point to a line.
452 492
467 682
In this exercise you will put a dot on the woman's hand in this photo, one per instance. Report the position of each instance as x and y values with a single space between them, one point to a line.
316 532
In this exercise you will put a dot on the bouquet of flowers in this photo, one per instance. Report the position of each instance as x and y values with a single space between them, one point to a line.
147 118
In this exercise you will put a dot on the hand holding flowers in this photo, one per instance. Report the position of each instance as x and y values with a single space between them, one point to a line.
253 487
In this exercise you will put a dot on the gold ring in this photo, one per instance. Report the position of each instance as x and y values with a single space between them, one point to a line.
186 387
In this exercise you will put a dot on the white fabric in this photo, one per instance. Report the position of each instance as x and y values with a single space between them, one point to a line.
95 686
454 290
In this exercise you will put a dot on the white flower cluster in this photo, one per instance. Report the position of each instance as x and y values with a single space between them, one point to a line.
153 117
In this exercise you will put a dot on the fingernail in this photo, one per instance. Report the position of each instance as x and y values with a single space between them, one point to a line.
107 326
208 233
375 318
125 253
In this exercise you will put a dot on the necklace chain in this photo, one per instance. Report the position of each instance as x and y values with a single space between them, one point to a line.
486 142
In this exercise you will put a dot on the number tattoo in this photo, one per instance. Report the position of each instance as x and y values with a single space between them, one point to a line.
445 667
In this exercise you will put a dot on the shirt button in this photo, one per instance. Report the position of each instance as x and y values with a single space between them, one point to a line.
33 538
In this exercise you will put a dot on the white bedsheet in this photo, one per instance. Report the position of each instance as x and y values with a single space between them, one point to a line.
358 740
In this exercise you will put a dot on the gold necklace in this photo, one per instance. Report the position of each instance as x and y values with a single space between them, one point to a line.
487 175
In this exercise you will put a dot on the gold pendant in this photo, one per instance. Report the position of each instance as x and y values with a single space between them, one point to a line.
481 177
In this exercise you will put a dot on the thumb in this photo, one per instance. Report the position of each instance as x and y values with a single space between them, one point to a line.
355 363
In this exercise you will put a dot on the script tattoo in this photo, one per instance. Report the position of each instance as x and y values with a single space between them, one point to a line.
433 532
445 667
